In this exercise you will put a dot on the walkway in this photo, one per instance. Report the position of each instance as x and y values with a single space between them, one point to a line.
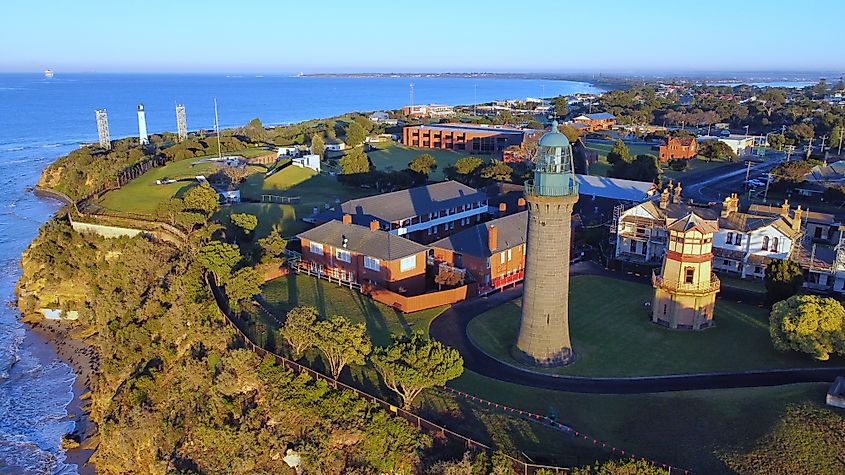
451 329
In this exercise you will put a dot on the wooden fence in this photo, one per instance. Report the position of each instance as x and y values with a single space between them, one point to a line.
420 422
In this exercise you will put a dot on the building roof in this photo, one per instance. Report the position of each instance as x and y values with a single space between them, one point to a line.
614 188
693 221
553 138
418 201
511 230
362 240
597 116
683 141
470 128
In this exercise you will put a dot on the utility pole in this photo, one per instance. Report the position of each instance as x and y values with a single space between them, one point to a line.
475 99
824 137
747 172
412 98
217 129
766 193
746 132
841 134
789 150
809 147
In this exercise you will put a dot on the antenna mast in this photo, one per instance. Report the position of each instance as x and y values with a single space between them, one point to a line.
217 129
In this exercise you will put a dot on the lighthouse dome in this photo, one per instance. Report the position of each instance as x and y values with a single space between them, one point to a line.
553 138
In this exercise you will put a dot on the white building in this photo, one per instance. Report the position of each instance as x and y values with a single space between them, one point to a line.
311 161
740 144
335 147
288 151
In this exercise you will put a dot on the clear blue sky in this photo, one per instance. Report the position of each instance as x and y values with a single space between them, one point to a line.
454 35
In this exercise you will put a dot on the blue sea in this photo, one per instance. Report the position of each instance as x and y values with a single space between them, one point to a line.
42 119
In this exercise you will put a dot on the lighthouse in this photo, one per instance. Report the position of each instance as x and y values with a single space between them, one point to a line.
544 328
142 126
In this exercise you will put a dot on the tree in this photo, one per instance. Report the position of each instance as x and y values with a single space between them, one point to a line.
219 258
243 285
679 164
497 171
318 145
299 329
777 141
245 221
202 198
413 363
836 134
802 132
561 106
468 165
254 130
717 150
619 153
274 244
423 164
355 134
572 134
809 324
355 162
783 279
342 342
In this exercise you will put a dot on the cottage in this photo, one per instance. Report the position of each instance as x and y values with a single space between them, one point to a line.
678 147
594 122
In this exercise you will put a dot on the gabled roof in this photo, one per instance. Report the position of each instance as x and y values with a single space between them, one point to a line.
693 221
614 188
362 240
511 231
597 116
418 201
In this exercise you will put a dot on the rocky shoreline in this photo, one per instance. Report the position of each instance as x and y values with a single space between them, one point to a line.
82 358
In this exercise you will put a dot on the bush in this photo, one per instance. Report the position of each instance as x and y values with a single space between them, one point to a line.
679 164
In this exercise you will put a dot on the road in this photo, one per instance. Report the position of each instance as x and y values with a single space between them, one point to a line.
450 328
714 185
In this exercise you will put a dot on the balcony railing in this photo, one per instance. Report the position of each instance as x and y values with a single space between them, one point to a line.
566 190
703 287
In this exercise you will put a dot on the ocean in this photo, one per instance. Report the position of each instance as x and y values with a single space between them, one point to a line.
42 119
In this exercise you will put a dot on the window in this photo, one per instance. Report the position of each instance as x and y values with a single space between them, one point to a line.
729 239
689 274
633 246
726 262
765 243
509 255
774 247
316 248
343 255
502 257
408 263
738 240
372 263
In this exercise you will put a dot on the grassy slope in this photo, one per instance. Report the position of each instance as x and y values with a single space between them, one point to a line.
614 337
396 157
284 293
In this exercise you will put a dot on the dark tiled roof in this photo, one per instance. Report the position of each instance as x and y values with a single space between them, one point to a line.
692 220
511 231
728 253
360 239
418 201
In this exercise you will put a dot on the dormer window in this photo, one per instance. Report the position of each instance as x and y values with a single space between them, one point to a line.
729 239
738 240
774 247
765 246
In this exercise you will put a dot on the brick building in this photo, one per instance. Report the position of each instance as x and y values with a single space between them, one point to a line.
594 122
493 252
462 137
678 147
360 254
430 110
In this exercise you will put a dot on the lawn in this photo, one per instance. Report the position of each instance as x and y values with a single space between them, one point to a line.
315 191
286 292
614 337
695 165
142 195
396 157
604 148
689 429
755 285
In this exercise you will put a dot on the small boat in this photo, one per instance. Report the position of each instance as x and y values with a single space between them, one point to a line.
48 73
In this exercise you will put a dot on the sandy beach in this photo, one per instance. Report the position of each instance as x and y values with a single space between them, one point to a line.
84 361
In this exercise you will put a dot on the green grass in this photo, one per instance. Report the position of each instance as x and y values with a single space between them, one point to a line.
636 149
600 168
142 195
689 429
396 157
315 190
755 285
286 292
614 337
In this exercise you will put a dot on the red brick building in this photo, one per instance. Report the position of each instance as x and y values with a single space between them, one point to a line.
493 252
462 137
365 255
678 147
593 122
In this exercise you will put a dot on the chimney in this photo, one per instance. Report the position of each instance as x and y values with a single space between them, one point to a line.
664 198
347 219
669 190
678 193
374 225
521 204
784 209
492 237
727 206
796 220
503 208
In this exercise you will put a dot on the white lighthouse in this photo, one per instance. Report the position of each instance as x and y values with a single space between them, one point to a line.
142 126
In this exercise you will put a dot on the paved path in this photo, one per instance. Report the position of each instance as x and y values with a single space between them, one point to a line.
450 328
